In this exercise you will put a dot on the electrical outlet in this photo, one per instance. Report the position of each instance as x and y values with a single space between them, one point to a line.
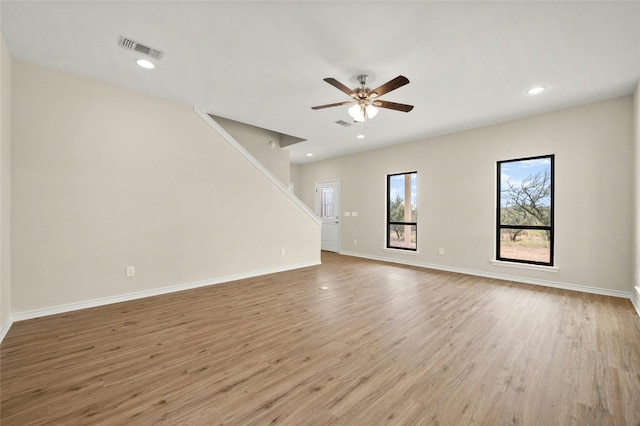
131 271
355 242
282 252
441 251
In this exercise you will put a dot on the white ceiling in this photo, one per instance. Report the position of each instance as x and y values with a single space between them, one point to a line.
262 63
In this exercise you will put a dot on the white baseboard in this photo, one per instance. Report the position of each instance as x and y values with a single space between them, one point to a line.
635 299
5 329
21 316
504 277
68 307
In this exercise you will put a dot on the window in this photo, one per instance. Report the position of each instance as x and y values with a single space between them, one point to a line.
402 213
326 207
525 210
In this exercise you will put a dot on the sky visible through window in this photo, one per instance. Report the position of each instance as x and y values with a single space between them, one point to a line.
514 172
397 188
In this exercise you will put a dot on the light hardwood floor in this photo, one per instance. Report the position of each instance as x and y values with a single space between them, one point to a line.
385 344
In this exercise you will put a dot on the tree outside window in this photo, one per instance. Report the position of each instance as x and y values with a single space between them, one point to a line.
525 210
402 213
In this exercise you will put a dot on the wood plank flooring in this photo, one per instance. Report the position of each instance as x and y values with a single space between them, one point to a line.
385 344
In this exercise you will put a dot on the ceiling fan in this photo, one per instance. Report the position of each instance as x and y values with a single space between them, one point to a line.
365 102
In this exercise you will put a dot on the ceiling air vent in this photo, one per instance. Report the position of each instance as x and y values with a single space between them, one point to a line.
129 44
343 123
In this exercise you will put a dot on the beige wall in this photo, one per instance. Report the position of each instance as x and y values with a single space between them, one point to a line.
5 188
294 178
257 142
104 178
456 194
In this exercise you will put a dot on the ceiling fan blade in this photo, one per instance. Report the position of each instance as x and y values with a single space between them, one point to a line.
390 85
331 105
393 105
335 83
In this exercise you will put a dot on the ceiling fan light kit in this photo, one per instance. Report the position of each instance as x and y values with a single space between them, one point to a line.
362 111
371 111
356 112
365 102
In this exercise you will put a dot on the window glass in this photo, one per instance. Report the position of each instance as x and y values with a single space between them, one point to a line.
402 211
327 202
525 210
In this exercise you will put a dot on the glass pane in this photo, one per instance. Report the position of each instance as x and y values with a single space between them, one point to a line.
525 244
403 198
525 192
327 202
402 236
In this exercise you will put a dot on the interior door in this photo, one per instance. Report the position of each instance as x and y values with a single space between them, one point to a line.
328 209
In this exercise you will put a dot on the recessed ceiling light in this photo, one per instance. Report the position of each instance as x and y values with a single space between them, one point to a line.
535 90
360 136
146 64
309 155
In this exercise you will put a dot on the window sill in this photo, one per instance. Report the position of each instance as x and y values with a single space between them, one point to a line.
530 267
392 250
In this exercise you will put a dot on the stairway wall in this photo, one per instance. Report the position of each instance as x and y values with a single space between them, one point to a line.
104 178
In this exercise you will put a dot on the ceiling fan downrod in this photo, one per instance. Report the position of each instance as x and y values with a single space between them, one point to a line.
363 82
